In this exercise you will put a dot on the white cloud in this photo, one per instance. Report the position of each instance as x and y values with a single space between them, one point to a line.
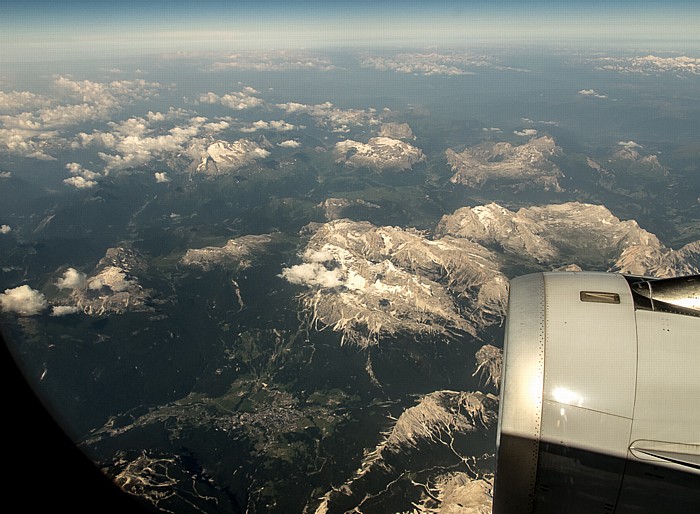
629 144
161 177
276 125
423 63
280 60
63 310
313 274
72 279
80 182
651 65
209 98
109 94
18 101
338 119
240 101
83 178
297 108
27 133
290 143
77 169
23 300
592 93
26 142
216 126
434 63
525 132
136 141
5 229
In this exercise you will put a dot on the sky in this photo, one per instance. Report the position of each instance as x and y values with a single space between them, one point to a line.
40 30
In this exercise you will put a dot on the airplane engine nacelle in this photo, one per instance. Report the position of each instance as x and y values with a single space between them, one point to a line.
600 397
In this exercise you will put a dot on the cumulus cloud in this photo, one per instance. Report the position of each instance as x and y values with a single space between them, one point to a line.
209 98
240 101
237 101
217 126
23 300
651 65
326 114
28 132
19 101
110 95
629 144
313 274
592 93
83 178
290 143
5 229
25 142
63 310
525 132
276 125
276 60
72 279
431 63
138 141
161 177
77 169
434 63
80 182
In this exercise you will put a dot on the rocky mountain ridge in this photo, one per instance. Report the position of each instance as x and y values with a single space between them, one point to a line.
522 166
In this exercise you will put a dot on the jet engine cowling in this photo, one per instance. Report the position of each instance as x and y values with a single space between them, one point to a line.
600 396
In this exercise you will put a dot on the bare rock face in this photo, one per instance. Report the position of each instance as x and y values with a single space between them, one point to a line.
489 360
659 261
396 130
632 154
222 156
441 413
631 171
237 252
450 426
458 493
334 208
368 282
556 235
524 165
380 153
113 288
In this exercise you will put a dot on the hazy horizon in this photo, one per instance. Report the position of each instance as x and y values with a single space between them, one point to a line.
37 31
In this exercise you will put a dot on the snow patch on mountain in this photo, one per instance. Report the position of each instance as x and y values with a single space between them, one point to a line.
555 235
379 153
370 282
222 156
